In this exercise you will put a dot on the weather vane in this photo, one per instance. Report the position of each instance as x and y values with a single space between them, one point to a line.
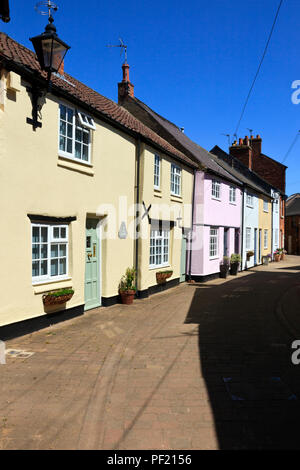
122 46
45 8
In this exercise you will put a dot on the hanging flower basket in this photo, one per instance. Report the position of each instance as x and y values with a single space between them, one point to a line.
57 297
162 276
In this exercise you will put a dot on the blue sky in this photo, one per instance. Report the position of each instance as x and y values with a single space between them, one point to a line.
193 62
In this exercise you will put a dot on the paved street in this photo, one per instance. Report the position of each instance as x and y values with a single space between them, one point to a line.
201 366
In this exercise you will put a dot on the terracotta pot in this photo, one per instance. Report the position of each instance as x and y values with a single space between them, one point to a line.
282 256
56 300
277 258
127 297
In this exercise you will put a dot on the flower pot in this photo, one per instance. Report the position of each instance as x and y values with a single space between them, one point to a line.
162 277
127 297
224 270
234 267
277 258
49 299
282 256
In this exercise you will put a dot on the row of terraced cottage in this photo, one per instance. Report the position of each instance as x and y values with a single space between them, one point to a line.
90 187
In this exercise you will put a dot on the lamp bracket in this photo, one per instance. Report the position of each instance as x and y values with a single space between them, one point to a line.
36 93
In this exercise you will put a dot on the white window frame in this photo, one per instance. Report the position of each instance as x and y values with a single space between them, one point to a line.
216 190
213 243
176 174
276 236
276 206
249 200
77 123
157 171
158 237
248 238
266 206
86 120
51 241
266 236
232 195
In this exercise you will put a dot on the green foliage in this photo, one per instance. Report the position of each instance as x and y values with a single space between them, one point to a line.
235 258
60 292
128 280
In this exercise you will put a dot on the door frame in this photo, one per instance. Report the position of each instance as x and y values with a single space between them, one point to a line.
99 236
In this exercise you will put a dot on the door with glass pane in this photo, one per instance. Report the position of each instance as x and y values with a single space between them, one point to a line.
92 266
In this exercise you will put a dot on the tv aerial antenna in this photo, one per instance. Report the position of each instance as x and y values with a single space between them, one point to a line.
228 137
122 46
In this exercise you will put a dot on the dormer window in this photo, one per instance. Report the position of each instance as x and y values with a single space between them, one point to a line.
75 134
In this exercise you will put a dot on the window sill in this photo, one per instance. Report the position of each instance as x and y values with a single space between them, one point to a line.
46 286
75 165
157 192
249 207
176 198
163 266
216 199
213 258
232 203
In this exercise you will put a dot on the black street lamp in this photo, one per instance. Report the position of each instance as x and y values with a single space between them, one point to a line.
50 49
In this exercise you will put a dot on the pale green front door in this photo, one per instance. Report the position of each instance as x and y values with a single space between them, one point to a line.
183 259
92 266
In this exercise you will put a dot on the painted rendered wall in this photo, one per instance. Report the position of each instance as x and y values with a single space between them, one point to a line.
265 223
213 213
165 207
251 220
35 180
276 226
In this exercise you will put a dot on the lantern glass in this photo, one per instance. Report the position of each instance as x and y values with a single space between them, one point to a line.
54 52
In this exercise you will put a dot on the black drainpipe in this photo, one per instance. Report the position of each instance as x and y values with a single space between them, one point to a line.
137 214
191 237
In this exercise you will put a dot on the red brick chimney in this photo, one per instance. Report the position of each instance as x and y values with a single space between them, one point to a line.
256 143
242 151
125 87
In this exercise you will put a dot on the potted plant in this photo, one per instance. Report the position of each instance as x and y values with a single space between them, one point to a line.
57 297
282 254
127 287
235 261
249 255
277 255
266 259
224 267
162 276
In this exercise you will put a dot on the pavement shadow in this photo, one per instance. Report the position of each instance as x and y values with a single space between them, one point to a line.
245 359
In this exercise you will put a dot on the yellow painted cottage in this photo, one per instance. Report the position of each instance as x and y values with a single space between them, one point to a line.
87 191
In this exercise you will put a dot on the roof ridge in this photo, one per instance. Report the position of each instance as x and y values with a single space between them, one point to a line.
17 53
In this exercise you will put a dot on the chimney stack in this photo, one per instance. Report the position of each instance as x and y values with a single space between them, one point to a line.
242 151
125 87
